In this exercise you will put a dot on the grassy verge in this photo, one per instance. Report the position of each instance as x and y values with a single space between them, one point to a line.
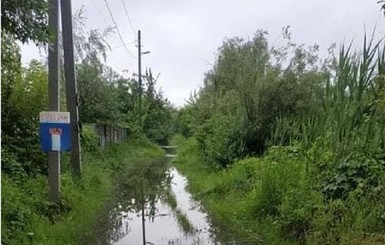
27 216
221 196
276 199
182 219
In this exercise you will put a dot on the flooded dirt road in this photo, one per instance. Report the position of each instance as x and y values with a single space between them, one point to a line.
167 223
170 213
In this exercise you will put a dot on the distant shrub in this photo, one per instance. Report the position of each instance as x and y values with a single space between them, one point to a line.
89 139
220 140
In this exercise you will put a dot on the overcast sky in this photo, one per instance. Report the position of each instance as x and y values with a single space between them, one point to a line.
183 36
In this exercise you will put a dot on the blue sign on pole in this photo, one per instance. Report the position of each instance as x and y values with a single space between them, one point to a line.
55 131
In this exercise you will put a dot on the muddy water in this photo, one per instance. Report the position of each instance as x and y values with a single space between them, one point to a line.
171 214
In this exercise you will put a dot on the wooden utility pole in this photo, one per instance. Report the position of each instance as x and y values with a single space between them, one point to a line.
140 79
71 87
54 98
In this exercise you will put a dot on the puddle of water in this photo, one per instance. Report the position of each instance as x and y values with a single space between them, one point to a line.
189 207
171 155
162 223
171 215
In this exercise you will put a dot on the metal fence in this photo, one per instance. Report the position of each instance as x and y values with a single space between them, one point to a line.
108 134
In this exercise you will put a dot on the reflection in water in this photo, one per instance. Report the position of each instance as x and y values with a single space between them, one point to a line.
171 216
153 180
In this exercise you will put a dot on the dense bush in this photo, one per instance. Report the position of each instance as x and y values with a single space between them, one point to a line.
319 130
278 199
219 140
89 139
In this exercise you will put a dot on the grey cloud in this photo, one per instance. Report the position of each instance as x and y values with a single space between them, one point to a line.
183 36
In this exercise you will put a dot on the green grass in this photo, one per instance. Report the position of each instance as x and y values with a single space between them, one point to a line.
170 199
223 194
184 222
275 199
29 218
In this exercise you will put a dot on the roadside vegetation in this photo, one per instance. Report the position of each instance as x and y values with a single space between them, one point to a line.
105 97
286 148
29 218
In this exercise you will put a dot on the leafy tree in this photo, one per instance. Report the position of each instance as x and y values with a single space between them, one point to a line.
249 87
11 70
20 121
90 46
184 120
96 95
108 98
25 20
157 118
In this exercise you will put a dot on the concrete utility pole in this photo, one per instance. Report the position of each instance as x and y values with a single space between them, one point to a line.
140 125
143 218
54 98
71 87
140 78
140 53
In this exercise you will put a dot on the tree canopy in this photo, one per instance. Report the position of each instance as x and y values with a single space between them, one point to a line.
25 20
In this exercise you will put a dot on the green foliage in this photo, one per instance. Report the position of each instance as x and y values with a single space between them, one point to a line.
321 181
184 120
11 165
19 115
15 210
89 139
98 99
235 112
105 97
25 20
279 198
297 213
357 172
27 215
183 221
108 98
157 113
219 140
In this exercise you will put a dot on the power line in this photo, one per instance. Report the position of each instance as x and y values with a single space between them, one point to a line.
129 19
116 26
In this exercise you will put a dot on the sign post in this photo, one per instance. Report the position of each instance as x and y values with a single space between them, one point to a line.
55 131
55 136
